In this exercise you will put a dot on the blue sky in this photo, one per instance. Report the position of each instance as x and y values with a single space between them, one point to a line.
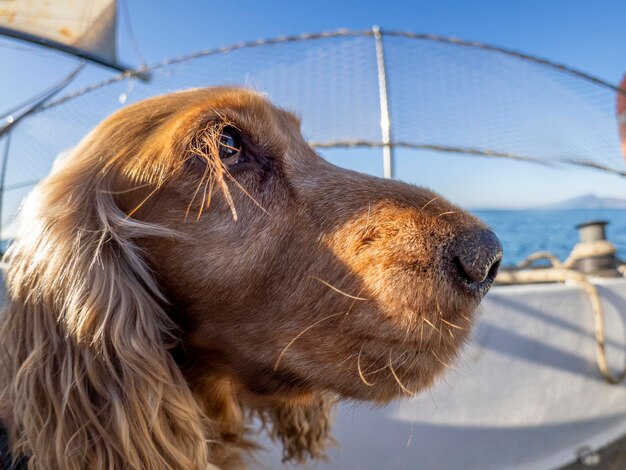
590 36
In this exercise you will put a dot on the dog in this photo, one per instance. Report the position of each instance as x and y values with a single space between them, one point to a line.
193 263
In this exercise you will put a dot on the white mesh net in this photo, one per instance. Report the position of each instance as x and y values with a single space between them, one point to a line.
444 95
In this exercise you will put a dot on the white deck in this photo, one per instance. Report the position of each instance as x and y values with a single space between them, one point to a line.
526 393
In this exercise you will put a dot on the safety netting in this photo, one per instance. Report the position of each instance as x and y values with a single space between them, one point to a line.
369 88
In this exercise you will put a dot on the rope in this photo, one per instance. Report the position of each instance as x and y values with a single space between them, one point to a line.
564 272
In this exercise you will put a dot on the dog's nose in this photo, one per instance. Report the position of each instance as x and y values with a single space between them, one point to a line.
476 257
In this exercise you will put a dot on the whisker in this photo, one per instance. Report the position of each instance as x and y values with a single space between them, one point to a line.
211 185
406 359
282 353
330 286
409 326
395 376
445 364
350 309
426 205
438 307
158 186
377 370
452 324
353 303
204 175
440 313
447 213
204 201
431 325
124 191
211 151
228 196
384 367
358 366
138 206
243 190
430 395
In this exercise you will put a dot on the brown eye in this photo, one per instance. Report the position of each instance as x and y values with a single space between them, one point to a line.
230 145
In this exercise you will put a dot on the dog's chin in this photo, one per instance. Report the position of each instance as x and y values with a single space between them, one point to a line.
401 380
391 367
366 363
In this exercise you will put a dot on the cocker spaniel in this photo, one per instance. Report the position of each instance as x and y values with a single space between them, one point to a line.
193 263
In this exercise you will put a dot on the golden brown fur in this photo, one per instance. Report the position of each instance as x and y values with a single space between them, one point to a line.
144 326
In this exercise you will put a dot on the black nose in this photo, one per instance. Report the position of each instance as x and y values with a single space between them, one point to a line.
476 257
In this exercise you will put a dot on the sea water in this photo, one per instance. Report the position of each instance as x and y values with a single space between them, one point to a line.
523 232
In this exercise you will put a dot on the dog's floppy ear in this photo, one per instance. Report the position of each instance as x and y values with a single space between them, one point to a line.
85 366
303 427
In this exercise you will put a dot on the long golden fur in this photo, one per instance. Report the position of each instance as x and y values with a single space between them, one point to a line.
159 297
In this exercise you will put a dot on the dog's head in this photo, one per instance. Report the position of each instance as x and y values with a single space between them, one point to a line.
196 237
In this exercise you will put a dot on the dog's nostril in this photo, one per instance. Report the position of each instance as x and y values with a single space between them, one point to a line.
493 271
477 273
476 257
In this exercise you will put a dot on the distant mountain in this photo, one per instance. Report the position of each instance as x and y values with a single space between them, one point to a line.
588 201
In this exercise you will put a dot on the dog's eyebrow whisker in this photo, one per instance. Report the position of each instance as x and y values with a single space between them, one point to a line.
124 191
313 325
330 286
230 147
145 199
206 171
358 366
243 190
447 213
427 204
210 192
210 185
397 379
203 202
210 140
206 194
219 170
227 195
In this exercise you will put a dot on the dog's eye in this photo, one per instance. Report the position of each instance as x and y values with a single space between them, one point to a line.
230 145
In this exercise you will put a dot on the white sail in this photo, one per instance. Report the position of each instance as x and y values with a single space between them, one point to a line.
88 25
